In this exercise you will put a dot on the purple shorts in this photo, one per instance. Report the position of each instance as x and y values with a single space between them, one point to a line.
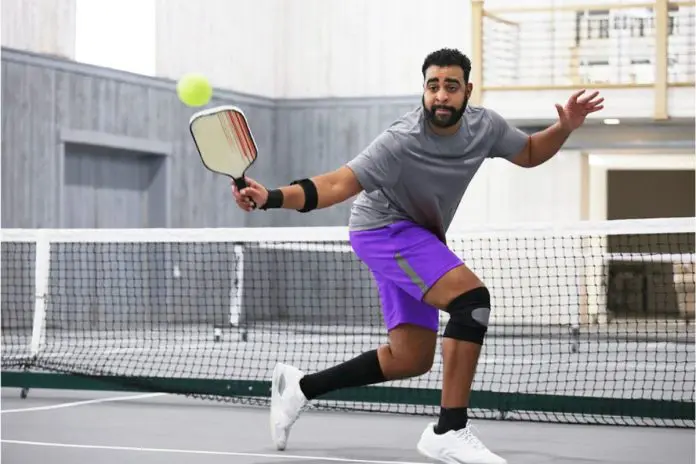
406 260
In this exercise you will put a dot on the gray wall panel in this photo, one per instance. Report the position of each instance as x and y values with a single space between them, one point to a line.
44 96
107 188
28 147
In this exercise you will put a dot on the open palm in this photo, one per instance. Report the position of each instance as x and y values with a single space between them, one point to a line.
576 109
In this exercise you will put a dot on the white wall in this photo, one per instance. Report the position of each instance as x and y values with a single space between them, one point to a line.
308 48
41 26
680 102
116 34
520 105
333 48
503 193
234 42
301 48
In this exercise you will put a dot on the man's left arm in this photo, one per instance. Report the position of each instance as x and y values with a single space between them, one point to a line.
543 145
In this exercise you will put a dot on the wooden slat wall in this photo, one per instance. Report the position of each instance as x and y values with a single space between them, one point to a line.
41 97
297 138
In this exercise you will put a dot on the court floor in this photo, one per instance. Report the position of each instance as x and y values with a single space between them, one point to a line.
79 426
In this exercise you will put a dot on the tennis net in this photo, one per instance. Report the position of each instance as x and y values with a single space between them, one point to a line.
591 322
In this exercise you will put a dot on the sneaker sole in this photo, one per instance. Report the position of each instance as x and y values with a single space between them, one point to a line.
422 451
429 455
274 401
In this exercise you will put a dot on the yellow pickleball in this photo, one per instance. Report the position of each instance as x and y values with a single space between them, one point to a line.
194 89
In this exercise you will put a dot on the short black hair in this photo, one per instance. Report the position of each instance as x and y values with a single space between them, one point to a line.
448 57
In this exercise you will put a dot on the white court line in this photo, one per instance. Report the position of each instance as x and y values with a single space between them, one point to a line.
80 403
210 453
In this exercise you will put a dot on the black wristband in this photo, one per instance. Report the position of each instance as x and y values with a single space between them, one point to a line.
275 200
311 195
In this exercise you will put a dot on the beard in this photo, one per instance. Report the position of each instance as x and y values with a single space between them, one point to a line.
446 120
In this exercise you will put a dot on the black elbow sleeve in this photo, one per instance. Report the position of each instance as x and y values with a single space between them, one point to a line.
311 195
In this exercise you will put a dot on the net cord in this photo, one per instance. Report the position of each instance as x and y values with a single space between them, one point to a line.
267 235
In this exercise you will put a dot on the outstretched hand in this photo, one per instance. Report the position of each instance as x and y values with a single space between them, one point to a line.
576 109
253 194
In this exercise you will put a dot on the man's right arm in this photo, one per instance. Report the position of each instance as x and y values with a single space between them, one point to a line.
332 188
376 167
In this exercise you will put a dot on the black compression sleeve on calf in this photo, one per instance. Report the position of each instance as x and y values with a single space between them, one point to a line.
469 314
359 371
275 199
311 195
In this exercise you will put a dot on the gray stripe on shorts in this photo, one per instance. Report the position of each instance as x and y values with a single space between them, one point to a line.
403 264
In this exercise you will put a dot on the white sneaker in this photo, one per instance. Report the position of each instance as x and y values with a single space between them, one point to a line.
456 447
287 402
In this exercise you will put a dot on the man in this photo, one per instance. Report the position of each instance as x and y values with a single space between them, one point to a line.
410 181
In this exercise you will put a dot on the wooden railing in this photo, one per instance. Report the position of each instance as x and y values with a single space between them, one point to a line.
638 45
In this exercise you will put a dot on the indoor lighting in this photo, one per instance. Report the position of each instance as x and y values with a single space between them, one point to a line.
611 121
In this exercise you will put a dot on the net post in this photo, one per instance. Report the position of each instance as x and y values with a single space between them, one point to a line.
42 262
596 280
41 271
237 291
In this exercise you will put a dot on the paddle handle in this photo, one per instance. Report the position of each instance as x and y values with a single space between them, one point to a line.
240 183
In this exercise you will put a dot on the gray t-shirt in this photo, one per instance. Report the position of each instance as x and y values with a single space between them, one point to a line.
410 173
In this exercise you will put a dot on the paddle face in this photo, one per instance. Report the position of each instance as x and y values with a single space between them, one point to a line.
224 141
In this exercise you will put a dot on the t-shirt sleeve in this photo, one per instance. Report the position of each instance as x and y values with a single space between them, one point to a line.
377 166
509 140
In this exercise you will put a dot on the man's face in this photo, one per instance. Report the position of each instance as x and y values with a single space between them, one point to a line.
445 95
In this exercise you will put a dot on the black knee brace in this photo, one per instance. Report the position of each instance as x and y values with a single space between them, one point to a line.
469 314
